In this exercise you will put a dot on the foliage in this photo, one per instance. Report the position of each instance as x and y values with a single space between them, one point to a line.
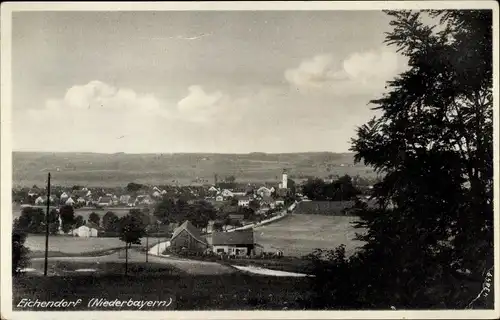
134 187
78 221
110 222
20 253
131 228
338 190
54 221
67 214
94 218
433 144
32 220
198 212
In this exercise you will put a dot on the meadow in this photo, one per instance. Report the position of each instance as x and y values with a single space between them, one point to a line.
300 234
76 245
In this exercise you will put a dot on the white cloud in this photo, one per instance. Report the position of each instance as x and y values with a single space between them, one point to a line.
360 73
94 116
200 106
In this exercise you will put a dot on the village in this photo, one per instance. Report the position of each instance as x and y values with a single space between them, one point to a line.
220 221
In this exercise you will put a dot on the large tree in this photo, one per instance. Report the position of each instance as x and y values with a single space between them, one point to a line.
110 222
67 214
132 229
430 242
20 252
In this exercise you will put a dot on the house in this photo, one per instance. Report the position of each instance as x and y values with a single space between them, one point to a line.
124 199
188 237
329 208
81 200
163 192
64 196
85 232
244 201
264 192
213 189
157 194
105 201
238 243
69 202
40 200
279 202
144 200
33 192
219 198
156 189
226 193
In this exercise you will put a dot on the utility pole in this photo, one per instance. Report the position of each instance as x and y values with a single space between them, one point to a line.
47 228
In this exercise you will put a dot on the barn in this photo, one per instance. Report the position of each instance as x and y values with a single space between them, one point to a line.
238 243
188 237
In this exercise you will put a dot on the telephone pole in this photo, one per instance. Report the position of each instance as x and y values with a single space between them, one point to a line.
47 228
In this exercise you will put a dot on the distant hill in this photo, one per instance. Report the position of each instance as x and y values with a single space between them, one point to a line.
94 169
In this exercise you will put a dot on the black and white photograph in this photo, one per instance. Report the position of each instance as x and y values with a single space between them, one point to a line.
272 159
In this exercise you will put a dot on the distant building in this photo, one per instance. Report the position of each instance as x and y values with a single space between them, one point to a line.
69 202
244 201
105 201
85 232
284 183
264 192
124 199
33 192
238 243
188 237
219 198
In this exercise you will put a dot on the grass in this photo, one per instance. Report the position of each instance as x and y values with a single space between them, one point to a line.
299 234
68 245
229 292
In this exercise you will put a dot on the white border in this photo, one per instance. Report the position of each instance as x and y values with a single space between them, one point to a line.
6 155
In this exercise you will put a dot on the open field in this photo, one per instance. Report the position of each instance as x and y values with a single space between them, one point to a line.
109 170
299 234
77 245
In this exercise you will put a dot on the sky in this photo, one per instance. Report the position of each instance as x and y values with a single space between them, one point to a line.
196 81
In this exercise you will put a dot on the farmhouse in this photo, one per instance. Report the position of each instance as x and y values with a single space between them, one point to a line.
64 196
328 208
187 237
238 243
85 232
33 192
243 201
219 198
124 199
105 201
69 202
264 192
227 193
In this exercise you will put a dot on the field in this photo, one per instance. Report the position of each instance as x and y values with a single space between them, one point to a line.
111 170
299 234
76 245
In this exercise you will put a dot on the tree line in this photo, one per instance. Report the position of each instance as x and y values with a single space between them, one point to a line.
433 145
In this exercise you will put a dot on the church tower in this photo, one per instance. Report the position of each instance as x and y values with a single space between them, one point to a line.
284 183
